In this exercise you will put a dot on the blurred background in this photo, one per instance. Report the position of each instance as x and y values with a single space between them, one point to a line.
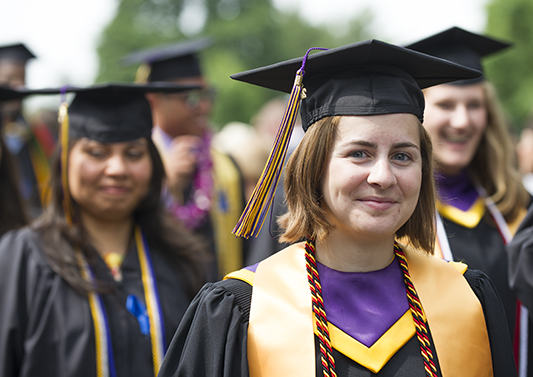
82 42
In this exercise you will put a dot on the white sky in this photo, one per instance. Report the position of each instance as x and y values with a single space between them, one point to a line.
64 33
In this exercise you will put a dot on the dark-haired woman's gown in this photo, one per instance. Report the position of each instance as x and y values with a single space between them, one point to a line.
46 328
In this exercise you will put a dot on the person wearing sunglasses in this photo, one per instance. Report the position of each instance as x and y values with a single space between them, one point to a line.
204 186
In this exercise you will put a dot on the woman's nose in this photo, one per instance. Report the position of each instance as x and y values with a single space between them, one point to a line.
381 174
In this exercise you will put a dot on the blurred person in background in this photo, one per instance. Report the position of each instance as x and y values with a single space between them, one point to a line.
12 208
204 188
524 149
481 199
28 147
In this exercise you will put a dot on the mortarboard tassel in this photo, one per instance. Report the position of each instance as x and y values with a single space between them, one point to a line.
254 214
143 73
63 138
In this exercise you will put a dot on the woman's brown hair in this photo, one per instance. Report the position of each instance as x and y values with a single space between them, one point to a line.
303 174
493 165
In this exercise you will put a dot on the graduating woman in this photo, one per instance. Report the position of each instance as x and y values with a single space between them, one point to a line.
350 300
98 284
481 198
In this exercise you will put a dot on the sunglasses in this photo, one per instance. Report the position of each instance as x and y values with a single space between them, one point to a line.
194 97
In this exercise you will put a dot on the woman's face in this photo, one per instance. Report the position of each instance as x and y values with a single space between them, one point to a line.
373 176
456 119
108 181
524 149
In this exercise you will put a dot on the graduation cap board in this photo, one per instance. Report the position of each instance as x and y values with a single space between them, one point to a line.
363 78
112 113
16 52
460 46
170 62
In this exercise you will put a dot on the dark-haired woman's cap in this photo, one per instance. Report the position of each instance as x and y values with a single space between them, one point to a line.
113 113
171 62
460 46
363 78
16 52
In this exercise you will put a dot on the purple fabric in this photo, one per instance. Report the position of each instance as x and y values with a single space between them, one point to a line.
252 268
364 304
166 138
456 191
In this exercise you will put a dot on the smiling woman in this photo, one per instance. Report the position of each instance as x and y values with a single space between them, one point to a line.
351 299
481 198
98 284
371 183
109 180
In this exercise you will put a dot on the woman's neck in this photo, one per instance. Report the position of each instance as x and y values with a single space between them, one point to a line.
344 253
108 236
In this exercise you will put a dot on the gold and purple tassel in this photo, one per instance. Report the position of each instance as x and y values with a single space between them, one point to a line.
254 214
63 140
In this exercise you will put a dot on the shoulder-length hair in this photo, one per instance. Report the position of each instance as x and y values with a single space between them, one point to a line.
493 166
162 233
303 174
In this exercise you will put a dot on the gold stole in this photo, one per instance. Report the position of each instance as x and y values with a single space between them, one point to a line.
228 187
280 333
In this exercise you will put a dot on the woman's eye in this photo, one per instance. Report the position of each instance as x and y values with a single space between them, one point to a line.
474 105
135 154
358 154
401 157
96 152
445 105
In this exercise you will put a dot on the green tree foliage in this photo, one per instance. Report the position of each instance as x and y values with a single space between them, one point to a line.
511 71
246 34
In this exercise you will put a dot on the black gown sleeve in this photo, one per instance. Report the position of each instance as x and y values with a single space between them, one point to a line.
211 339
499 337
19 280
520 251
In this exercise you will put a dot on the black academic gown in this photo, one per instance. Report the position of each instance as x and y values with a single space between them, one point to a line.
212 337
520 251
482 248
46 328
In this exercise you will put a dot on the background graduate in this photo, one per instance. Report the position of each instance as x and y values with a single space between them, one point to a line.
98 284
481 198
204 187
349 300
12 208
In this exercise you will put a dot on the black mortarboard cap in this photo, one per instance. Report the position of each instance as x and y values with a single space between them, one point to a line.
363 78
171 62
112 113
7 94
16 52
460 46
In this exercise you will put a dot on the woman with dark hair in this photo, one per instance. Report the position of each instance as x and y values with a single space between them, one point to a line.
97 285
362 294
